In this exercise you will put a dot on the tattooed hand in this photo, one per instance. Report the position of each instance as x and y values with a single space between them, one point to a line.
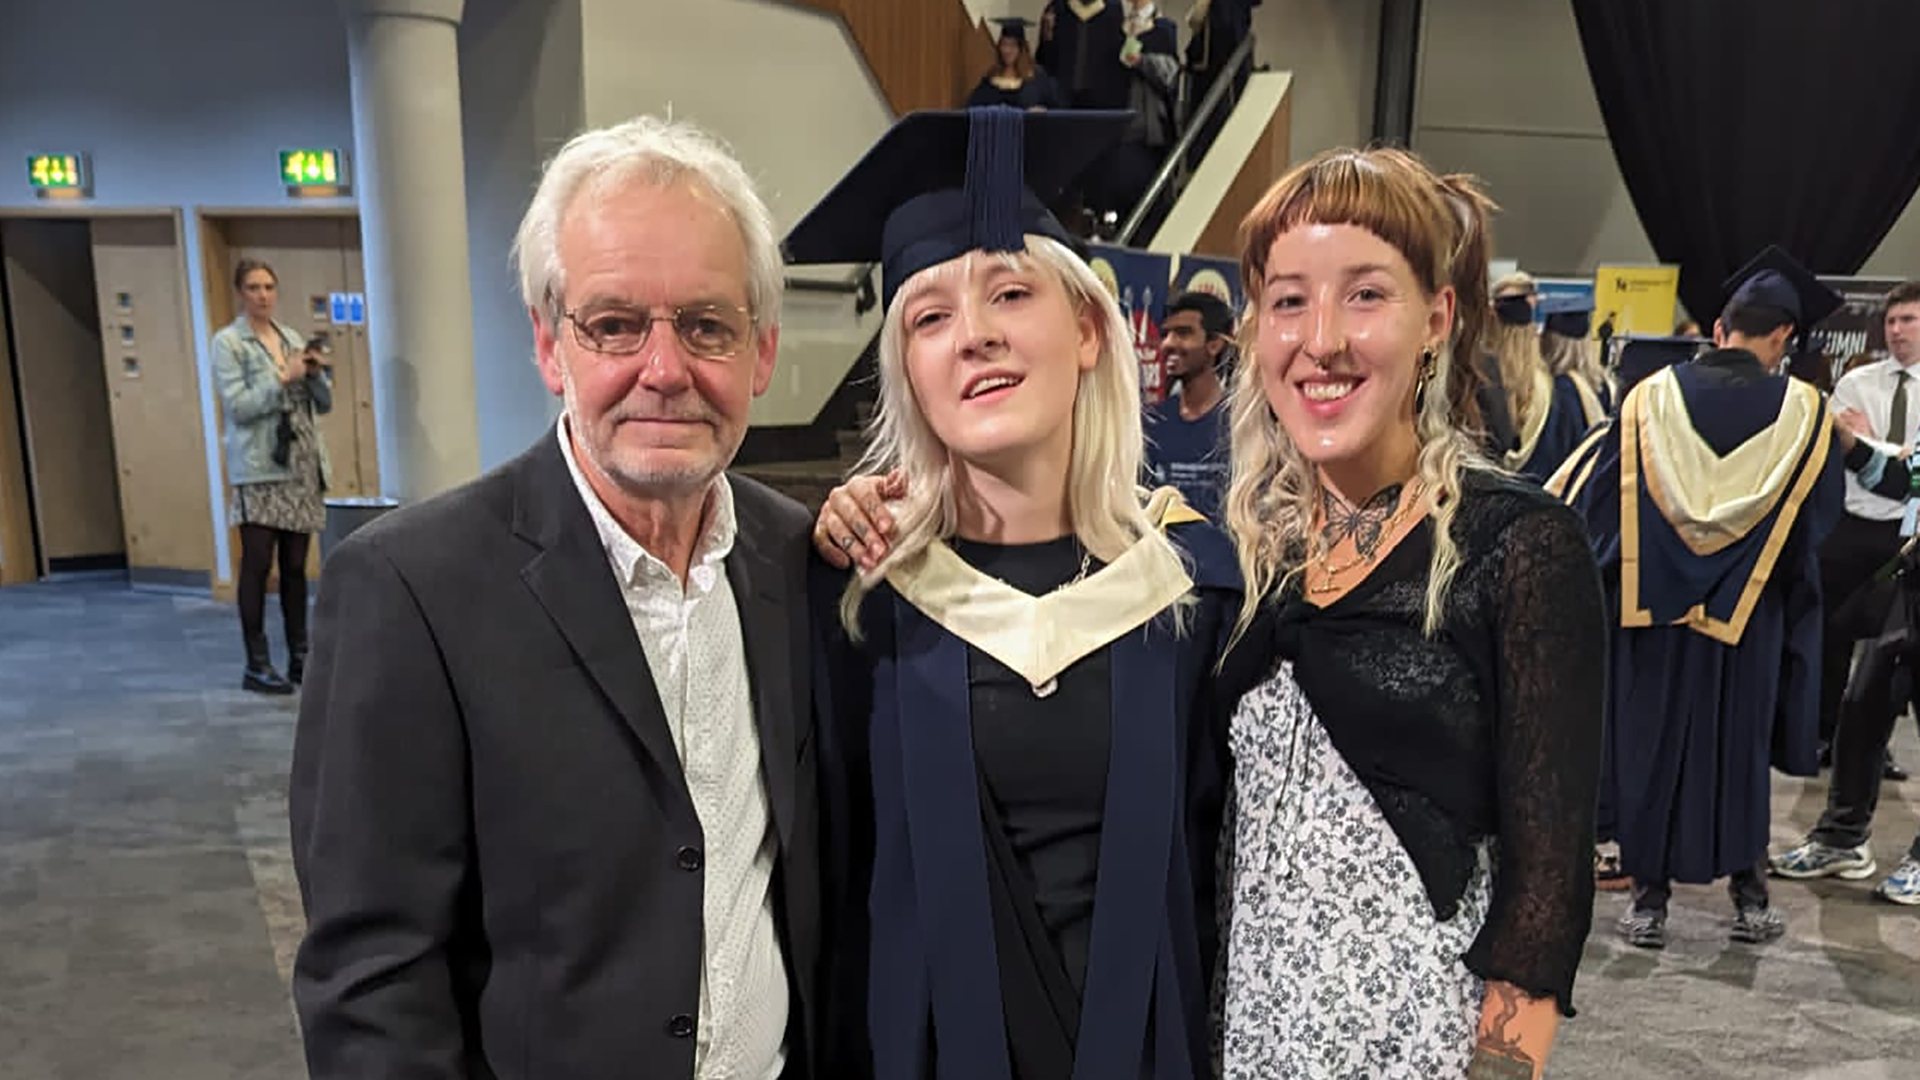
1498 1055
1366 524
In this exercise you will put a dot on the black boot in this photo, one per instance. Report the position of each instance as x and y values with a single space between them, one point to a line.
260 676
296 648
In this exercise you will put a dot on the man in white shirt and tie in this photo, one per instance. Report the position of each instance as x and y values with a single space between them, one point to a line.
1868 534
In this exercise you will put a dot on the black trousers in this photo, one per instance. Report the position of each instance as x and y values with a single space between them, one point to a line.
1852 553
1885 683
258 544
1747 888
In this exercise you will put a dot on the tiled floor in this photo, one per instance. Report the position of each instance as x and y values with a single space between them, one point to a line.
148 911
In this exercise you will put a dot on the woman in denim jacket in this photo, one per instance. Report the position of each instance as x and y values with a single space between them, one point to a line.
272 384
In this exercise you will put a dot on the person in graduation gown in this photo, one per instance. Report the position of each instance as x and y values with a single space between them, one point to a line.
1566 341
1549 415
1080 44
1022 793
1706 501
1016 81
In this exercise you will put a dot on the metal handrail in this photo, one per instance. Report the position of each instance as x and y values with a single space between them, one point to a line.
859 286
1221 85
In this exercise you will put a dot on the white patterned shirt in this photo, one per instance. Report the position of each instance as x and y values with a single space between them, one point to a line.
684 630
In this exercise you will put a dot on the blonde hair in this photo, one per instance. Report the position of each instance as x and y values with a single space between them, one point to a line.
1517 348
1578 357
1103 496
1440 224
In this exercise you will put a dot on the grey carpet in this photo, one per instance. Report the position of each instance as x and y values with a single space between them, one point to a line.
148 912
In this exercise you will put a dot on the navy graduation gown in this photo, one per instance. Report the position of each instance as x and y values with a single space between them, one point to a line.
1084 54
1566 425
914 972
1716 656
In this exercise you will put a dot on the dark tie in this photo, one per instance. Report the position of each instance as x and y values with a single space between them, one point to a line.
1897 419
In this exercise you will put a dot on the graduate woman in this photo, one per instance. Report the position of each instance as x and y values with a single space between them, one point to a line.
1015 764
1415 759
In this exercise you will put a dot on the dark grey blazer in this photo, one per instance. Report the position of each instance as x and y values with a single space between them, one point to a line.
500 861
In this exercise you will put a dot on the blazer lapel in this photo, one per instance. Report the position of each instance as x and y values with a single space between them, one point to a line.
765 599
573 582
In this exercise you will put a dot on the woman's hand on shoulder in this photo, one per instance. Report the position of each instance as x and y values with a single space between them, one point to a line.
854 525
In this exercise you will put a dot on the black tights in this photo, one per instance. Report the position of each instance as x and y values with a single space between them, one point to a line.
257 543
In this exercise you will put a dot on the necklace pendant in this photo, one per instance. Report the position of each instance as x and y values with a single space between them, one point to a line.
1046 689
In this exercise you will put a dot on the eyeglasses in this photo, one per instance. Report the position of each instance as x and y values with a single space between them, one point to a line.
713 331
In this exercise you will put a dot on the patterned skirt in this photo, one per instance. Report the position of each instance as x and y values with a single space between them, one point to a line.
296 504
1335 966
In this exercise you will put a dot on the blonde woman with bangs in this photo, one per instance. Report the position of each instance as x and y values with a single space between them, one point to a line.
1551 411
1408 879
1019 787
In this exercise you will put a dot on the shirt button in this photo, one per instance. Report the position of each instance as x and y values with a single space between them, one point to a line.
681 1026
689 859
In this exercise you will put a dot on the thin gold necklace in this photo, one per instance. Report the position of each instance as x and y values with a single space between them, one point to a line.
1329 572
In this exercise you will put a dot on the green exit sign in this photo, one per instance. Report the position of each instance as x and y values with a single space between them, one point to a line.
313 172
58 174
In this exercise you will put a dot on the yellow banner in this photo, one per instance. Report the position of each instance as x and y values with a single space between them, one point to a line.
1636 299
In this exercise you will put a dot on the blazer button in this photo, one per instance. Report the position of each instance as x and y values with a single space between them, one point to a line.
681 1026
689 859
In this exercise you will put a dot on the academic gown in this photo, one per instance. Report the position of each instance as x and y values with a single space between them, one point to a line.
1084 52
1039 92
1566 423
938 968
1717 641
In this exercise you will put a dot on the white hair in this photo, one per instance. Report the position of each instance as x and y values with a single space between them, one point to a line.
659 153
1104 498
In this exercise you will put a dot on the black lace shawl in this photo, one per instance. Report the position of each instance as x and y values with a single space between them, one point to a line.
1488 731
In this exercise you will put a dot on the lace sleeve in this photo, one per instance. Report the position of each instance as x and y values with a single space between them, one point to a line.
1550 630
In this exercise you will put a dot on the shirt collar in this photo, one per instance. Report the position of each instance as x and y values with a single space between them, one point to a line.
633 563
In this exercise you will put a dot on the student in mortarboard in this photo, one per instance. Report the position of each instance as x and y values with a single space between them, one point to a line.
1186 433
1549 412
1016 81
1706 501
1021 793
1566 340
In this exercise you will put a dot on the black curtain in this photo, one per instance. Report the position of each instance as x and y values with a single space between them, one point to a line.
1740 123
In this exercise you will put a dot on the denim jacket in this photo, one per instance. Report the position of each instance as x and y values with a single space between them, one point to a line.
252 400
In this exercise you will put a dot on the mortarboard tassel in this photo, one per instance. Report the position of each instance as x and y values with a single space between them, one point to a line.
996 166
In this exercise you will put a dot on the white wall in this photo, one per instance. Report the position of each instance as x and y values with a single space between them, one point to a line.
182 104
1332 48
787 88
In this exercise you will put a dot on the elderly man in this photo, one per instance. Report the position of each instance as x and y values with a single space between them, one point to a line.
553 803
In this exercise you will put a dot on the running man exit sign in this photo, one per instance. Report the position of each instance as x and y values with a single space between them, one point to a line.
313 172
56 175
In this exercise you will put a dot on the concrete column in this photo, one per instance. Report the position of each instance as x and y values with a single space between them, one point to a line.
409 172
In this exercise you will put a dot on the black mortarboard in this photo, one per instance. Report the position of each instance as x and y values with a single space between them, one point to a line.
940 184
1644 356
1568 314
1014 27
1514 310
1773 279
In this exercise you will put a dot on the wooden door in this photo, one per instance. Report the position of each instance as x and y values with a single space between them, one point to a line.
152 372
56 343
19 557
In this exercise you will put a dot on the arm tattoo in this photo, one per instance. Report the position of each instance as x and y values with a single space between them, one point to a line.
1366 523
1498 1056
